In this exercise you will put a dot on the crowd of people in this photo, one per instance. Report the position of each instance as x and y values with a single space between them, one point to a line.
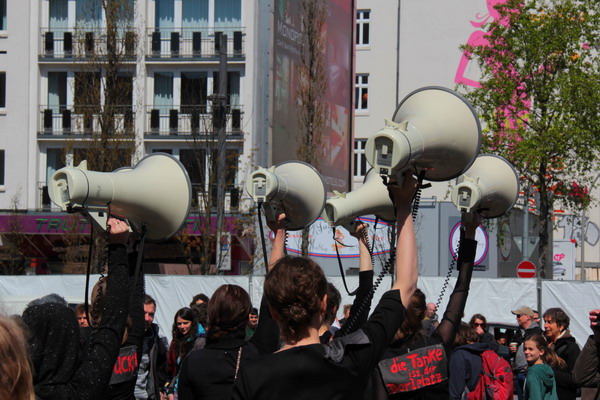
293 346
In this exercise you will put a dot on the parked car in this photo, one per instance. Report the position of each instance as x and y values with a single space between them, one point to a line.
499 329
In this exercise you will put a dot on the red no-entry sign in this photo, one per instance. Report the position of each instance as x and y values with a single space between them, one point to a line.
525 269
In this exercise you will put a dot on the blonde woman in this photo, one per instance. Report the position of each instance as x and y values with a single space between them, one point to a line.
15 371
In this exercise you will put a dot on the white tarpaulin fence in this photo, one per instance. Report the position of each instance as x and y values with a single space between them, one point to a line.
493 298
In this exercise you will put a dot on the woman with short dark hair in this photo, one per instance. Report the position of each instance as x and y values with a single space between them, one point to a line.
556 331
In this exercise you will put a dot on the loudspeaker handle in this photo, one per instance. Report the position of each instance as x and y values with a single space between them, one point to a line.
270 211
99 219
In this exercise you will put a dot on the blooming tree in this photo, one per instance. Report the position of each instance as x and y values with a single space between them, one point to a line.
539 97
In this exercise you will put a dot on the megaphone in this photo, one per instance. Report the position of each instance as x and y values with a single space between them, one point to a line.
156 193
434 129
372 198
490 186
293 187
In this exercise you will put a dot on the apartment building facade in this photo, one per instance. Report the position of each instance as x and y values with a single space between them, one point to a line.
57 66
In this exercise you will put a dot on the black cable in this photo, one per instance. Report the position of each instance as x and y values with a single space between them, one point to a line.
88 271
262 235
138 263
341 267
447 279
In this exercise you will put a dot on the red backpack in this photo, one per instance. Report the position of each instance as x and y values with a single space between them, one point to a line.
496 379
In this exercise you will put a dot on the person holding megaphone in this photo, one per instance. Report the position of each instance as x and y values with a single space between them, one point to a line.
54 337
411 343
296 291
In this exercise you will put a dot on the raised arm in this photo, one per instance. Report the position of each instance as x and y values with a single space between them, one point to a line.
406 245
278 250
446 331
92 377
586 372
362 301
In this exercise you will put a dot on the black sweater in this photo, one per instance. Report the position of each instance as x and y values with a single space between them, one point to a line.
209 373
54 340
339 370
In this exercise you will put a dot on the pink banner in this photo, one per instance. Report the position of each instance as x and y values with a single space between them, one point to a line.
60 224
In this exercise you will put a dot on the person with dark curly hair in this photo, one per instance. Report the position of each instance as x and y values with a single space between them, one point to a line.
556 330
185 333
296 290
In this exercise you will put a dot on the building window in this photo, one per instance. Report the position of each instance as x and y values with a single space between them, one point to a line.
360 160
1 167
362 27
2 15
362 92
2 89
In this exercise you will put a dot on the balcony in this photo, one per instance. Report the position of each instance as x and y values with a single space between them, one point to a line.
85 44
194 44
82 120
166 122
202 199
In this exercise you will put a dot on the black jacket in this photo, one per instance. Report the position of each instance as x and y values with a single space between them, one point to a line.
566 348
210 373
586 372
54 340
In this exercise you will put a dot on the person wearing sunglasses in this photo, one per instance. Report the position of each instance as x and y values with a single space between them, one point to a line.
479 323
527 328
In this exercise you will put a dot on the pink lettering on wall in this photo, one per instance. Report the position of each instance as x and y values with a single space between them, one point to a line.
479 38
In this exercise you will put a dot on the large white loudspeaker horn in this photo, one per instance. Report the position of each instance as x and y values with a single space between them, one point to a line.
490 186
434 129
293 187
156 193
372 198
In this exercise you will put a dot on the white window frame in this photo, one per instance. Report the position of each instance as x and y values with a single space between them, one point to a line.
360 158
361 86
361 23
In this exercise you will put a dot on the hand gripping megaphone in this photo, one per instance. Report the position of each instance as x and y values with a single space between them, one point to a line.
490 187
293 187
155 194
434 130
372 198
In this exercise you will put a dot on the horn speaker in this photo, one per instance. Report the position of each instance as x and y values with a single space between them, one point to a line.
156 193
293 187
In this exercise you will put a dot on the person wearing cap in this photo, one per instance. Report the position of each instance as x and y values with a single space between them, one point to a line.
527 327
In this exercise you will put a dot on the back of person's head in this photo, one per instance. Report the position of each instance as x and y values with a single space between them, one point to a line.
295 288
333 303
414 315
559 316
201 311
228 310
199 298
16 380
49 298
465 334
53 338
549 356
